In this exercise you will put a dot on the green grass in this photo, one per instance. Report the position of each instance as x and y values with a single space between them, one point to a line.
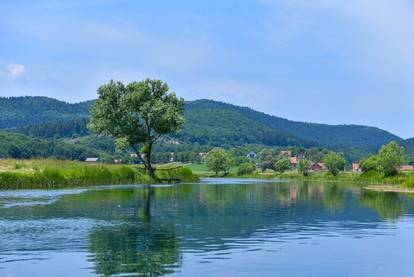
29 174
405 179
202 170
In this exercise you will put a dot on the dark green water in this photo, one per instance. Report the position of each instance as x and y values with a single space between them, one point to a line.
215 228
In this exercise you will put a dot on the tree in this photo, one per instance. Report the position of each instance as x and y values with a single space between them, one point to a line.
218 160
303 167
334 162
137 115
390 157
282 165
246 168
369 164
267 159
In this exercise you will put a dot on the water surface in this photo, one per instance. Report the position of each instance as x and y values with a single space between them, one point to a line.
214 228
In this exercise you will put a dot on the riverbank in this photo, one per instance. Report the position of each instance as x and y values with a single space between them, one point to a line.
401 182
41 174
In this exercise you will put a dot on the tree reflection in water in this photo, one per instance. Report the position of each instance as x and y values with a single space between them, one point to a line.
135 248
389 205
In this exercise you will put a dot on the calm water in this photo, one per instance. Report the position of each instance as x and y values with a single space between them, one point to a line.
215 228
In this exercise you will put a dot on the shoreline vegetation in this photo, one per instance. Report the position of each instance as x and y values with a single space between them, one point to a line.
45 174
373 180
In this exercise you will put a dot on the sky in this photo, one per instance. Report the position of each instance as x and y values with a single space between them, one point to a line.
327 61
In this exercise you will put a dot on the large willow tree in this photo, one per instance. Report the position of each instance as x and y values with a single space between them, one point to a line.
137 115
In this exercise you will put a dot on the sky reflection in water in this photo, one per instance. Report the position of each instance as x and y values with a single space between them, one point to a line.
215 228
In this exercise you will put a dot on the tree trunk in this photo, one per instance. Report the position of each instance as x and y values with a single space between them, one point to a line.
147 164
150 169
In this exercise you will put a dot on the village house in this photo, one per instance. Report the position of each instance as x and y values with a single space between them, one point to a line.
252 155
406 168
356 167
92 160
317 166
202 155
287 153
172 157
293 161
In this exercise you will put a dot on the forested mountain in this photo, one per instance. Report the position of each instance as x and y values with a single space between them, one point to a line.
327 135
13 145
208 122
226 127
26 110
409 146
70 128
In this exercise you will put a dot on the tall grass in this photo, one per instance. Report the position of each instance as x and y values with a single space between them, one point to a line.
62 174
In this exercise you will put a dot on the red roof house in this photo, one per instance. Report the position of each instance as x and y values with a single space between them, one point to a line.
317 166
293 161
356 167
406 168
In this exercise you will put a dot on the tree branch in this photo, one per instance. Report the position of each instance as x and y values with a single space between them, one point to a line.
139 156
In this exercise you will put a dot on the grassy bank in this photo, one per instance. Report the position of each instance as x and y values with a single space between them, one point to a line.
403 179
30 174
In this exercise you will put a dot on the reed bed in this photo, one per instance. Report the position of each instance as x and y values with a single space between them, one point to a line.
35 174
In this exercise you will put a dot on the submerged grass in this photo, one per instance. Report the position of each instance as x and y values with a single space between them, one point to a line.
31 174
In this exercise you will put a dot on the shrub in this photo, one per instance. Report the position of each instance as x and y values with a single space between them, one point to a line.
334 162
246 168
389 158
282 165
369 164
304 167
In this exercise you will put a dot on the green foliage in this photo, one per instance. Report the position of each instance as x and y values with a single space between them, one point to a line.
229 128
389 158
27 110
268 158
218 160
137 114
20 146
71 128
327 135
282 165
208 124
369 164
335 163
304 166
182 173
246 168
60 174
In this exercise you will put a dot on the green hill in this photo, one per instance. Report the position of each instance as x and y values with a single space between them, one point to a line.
208 122
326 135
27 110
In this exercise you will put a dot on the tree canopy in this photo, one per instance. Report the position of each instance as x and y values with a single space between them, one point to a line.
390 157
334 162
218 160
137 115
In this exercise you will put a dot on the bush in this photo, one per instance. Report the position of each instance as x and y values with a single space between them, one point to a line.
334 162
246 168
304 167
218 160
389 158
282 165
369 164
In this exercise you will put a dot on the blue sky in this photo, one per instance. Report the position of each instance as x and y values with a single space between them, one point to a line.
328 61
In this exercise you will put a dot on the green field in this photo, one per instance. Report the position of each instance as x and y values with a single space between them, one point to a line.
20 174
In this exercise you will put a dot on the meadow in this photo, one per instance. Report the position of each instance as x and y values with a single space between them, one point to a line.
30 174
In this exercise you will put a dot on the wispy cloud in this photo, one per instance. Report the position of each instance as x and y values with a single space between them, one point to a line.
15 70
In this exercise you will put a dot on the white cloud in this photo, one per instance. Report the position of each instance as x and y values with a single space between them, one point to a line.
15 70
